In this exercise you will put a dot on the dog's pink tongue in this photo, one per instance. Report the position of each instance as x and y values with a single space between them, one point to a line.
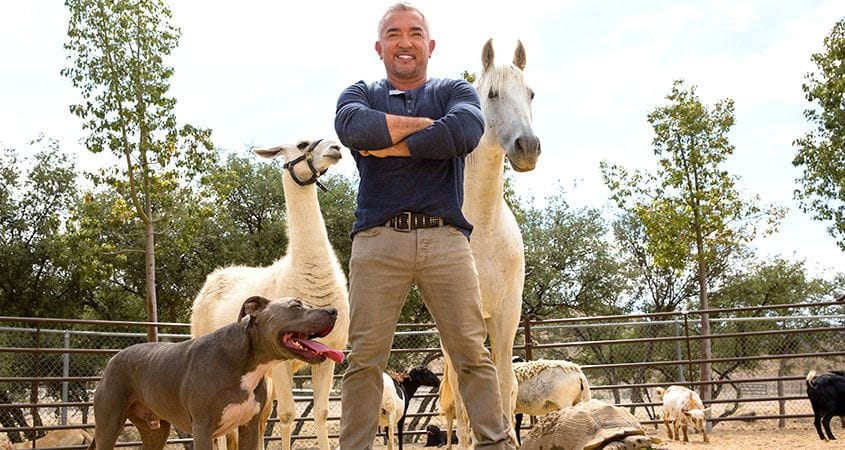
322 349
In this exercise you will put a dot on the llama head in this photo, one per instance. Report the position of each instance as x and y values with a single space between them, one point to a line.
305 160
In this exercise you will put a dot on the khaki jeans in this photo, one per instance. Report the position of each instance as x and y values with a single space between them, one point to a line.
383 266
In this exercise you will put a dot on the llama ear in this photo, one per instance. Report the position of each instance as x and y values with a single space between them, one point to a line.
269 153
519 56
250 308
487 55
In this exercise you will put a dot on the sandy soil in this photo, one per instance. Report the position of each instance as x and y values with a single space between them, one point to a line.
771 439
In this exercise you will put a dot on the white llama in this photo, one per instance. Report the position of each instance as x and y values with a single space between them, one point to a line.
309 271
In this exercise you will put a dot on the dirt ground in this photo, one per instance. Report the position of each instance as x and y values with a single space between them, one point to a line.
727 439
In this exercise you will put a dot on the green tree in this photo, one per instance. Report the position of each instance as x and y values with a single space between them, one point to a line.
35 195
656 288
569 265
117 49
821 152
690 207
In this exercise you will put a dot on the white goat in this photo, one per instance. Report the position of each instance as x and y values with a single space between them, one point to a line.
682 406
547 385
309 270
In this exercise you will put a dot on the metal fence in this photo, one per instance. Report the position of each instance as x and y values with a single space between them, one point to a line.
761 355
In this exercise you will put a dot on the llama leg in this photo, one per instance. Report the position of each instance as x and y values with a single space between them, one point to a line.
321 381
282 375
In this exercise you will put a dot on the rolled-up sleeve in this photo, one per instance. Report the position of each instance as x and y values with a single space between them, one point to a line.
357 124
455 134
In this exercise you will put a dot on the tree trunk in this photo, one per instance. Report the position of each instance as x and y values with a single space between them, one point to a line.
150 268
706 350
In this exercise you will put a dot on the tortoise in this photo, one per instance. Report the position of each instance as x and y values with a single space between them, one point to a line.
589 425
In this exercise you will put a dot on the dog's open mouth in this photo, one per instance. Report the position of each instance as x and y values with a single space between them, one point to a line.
303 345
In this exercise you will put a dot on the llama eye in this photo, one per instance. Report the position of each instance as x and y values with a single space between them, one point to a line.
531 93
492 94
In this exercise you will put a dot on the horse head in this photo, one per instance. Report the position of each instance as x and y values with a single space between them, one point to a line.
506 103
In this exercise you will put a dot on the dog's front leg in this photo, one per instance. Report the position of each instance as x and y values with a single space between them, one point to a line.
249 434
202 436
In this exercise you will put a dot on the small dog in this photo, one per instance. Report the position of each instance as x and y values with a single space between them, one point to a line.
435 437
209 385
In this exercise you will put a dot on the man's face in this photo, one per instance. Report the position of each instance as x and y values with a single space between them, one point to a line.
405 47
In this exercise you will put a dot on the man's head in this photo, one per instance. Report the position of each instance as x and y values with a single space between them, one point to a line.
404 45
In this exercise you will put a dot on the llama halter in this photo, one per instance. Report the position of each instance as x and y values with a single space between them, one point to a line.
308 156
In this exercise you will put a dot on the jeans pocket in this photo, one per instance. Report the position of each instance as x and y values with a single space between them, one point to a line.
369 232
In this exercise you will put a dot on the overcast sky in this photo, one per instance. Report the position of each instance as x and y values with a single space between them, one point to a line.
267 72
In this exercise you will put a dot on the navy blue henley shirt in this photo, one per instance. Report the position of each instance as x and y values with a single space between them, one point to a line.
431 181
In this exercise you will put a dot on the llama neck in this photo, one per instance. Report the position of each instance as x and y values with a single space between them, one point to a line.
484 181
307 237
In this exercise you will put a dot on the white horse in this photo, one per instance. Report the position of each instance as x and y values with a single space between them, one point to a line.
496 240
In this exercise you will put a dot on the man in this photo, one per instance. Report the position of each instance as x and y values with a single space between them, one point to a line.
409 135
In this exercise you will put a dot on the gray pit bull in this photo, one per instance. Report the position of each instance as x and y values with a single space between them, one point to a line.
209 385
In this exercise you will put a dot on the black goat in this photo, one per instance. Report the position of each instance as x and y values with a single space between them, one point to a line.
827 395
435 437
408 383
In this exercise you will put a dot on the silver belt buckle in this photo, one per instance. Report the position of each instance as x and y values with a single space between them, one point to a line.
398 227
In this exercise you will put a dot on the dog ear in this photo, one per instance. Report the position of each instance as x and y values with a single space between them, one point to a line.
250 308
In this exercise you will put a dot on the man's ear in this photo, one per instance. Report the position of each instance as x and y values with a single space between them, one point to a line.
379 50
430 47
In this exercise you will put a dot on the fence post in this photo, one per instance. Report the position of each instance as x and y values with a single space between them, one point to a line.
528 342
689 353
33 396
65 374
679 355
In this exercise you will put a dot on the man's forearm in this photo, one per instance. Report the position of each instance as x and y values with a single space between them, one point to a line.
401 127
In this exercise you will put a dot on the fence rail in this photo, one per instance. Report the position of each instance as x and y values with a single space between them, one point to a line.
49 367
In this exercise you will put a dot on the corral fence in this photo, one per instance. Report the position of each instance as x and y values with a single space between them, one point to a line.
760 359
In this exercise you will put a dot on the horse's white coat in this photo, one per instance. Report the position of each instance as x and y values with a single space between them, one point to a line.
496 240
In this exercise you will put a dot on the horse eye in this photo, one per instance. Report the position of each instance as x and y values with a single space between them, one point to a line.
531 93
492 94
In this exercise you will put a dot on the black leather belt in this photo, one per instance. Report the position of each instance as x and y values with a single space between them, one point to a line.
407 221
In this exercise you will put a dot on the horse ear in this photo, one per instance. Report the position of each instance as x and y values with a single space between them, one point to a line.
519 56
487 55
